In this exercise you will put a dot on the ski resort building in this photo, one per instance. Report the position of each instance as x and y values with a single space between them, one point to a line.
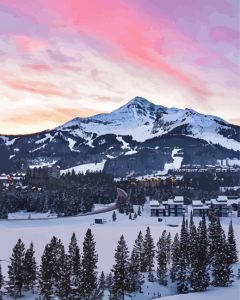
198 208
43 172
171 207
220 205
157 209
175 206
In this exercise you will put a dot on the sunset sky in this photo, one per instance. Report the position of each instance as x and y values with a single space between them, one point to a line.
60 59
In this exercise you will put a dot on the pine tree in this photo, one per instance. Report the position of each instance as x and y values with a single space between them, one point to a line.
232 254
30 267
191 223
88 283
183 259
168 248
238 209
221 268
139 248
75 266
1 278
135 278
199 277
58 256
114 216
63 285
109 279
175 256
192 243
74 258
51 267
162 259
139 211
149 253
101 285
16 268
46 273
213 230
130 216
120 271
135 215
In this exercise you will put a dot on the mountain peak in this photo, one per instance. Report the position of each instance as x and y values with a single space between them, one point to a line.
139 103
139 100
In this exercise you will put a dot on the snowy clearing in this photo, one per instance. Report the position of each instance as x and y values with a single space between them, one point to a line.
106 235
92 167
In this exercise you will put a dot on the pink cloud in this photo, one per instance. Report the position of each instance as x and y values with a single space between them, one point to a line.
36 87
137 37
28 44
37 67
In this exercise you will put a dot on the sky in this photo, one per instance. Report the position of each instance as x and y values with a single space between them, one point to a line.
60 59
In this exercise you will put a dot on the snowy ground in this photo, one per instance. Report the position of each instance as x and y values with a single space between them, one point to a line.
91 167
106 236
227 293
21 215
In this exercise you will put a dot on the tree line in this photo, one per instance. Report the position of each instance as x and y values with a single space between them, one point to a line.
69 195
200 256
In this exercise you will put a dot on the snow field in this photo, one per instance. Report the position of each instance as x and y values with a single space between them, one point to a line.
106 235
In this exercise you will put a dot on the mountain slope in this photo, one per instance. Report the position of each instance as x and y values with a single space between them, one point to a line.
138 138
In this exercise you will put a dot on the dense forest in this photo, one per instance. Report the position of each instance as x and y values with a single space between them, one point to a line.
67 196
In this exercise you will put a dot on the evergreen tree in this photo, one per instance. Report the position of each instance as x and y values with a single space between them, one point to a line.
213 231
101 285
192 243
238 209
139 211
109 280
191 223
74 261
199 277
114 216
16 268
63 285
46 273
88 283
30 267
51 267
168 248
175 256
162 259
139 248
135 278
221 268
1 278
120 271
130 216
135 215
58 257
149 253
183 259
232 254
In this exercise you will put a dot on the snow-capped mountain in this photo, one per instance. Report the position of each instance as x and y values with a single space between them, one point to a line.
138 138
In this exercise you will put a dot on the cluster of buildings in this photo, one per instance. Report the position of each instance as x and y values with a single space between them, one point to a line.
176 207
10 179
44 172
196 170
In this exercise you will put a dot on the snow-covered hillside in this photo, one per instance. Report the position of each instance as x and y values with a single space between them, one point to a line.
144 120
138 138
